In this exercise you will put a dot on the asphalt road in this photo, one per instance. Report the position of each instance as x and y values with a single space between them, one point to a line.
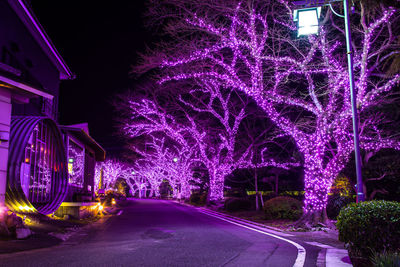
164 233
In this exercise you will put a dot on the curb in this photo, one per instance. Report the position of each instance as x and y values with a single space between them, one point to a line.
329 256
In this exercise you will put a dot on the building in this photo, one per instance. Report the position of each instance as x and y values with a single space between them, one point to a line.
33 171
83 152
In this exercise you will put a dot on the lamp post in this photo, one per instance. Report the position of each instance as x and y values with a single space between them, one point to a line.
307 20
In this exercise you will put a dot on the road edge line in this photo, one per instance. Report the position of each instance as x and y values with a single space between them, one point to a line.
249 223
301 251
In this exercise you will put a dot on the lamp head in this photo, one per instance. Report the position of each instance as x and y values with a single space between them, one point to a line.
307 20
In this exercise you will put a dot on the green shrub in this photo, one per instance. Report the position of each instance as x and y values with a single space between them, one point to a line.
299 195
335 203
269 196
370 226
235 192
386 259
236 204
197 198
283 208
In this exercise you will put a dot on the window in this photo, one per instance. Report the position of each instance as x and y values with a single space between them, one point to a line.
39 165
76 157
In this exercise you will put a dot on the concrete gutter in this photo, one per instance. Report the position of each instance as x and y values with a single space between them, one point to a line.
329 256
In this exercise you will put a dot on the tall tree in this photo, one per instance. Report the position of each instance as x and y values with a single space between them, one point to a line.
112 170
175 165
211 140
301 83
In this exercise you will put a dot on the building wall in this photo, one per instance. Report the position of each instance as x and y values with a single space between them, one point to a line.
5 112
19 50
90 164
86 192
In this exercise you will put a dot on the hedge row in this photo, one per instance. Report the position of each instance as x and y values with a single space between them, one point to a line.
370 227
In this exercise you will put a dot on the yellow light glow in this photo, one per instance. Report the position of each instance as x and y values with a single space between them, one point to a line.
25 208
70 168
113 202
28 221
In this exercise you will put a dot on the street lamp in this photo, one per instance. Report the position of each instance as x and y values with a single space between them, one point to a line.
307 20
175 159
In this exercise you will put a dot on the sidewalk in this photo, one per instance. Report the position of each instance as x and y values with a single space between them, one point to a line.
332 250
35 241
49 232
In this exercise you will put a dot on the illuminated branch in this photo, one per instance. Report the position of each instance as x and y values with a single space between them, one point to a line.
301 85
112 170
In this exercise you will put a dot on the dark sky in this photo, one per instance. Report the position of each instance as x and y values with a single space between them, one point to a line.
99 40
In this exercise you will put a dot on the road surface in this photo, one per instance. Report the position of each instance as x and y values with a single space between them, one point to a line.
165 233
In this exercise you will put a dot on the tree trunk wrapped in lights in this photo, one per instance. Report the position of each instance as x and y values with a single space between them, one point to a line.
112 170
174 164
301 84
135 181
215 148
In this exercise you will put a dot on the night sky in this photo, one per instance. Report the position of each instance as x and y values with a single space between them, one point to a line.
99 40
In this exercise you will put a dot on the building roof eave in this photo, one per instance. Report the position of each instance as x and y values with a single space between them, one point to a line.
84 137
37 31
24 89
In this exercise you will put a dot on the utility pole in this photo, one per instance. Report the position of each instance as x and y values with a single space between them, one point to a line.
315 3
360 188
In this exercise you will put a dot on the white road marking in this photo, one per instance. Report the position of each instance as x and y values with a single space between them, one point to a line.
334 258
245 222
318 245
301 252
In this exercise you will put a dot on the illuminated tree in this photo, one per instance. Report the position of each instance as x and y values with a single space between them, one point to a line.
112 170
229 110
196 139
171 163
154 176
176 162
135 181
302 84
